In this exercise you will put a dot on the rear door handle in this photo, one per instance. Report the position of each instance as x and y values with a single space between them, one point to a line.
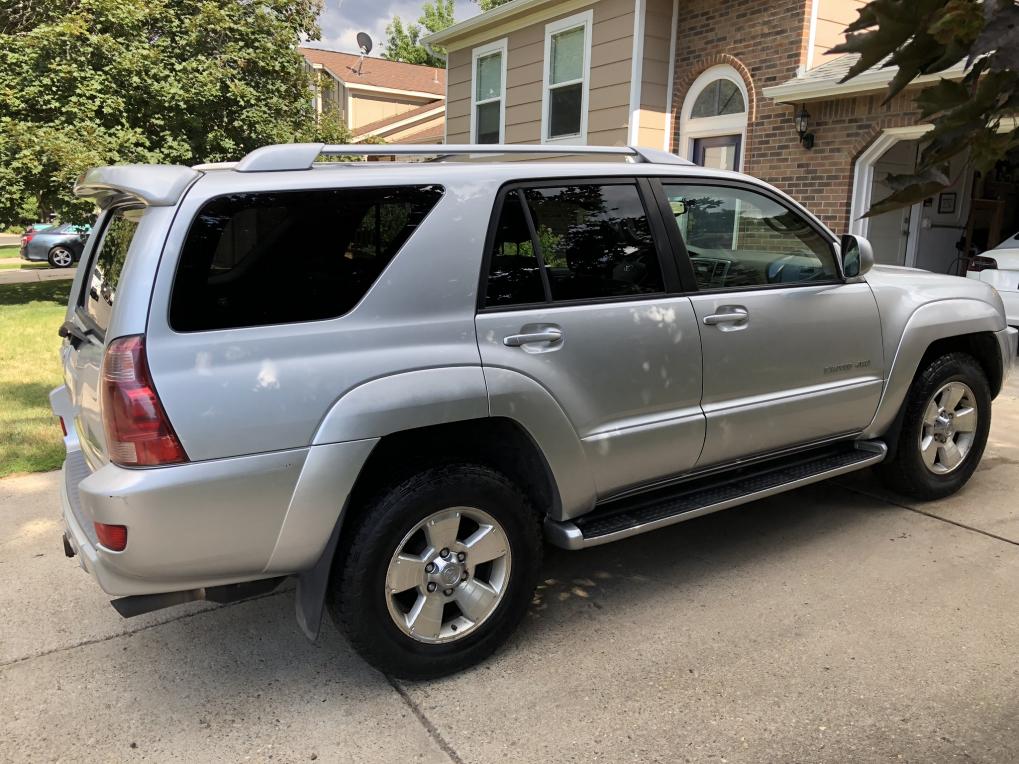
730 316
545 335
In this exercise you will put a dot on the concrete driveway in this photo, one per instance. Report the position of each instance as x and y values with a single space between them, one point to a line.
832 624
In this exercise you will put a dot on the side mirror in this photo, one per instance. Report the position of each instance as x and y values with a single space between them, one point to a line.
857 255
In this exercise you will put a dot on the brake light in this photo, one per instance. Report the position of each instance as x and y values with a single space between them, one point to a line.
978 264
113 537
138 432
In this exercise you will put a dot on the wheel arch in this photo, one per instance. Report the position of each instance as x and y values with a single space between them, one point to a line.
928 335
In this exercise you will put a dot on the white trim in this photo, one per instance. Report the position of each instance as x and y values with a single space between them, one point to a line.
502 48
863 172
636 71
445 118
709 127
672 77
815 7
396 91
810 89
481 20
584 19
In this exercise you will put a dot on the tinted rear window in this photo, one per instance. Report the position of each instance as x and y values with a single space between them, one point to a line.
107 264
283 257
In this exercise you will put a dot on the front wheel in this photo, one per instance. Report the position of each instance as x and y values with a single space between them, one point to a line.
439 571
947 418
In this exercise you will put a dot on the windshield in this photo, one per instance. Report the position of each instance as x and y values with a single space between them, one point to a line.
1010 243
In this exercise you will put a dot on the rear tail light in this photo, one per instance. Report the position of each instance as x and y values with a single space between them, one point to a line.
138 432
113 537
978 264
63 426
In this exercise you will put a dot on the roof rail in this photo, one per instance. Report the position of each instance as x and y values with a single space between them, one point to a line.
301 156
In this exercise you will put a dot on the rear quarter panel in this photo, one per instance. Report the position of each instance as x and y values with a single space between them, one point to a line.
242 391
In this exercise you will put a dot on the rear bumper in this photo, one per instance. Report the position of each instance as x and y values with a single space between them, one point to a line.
208 524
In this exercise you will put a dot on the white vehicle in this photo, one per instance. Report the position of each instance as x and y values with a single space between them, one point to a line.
999 267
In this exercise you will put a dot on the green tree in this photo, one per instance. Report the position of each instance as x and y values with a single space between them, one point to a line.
403 43
487 5
974 114
93 82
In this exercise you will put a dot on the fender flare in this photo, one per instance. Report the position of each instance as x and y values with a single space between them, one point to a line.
926 326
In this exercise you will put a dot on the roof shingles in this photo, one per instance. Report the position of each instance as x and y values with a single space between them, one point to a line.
379 72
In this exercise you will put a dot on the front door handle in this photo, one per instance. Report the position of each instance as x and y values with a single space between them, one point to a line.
728 316
545 335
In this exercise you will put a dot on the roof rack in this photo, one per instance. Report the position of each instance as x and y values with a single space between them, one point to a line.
302 156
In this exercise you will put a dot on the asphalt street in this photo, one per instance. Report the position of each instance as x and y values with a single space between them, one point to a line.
836 623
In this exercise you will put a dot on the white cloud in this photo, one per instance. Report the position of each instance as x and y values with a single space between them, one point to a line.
341 20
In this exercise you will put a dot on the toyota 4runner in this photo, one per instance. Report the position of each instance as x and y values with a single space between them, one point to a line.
391 379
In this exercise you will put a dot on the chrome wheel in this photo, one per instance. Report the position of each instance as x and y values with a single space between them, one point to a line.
448 575
61 257
949 428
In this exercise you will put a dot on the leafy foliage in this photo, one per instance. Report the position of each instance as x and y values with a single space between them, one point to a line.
93 82
487 5
403 43
925 37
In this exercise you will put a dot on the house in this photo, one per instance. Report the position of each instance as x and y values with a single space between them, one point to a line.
391 100
725 83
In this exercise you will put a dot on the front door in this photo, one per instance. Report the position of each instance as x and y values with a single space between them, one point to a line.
576 299
718 153
792 354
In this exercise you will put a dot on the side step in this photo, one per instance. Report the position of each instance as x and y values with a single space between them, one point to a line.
701 496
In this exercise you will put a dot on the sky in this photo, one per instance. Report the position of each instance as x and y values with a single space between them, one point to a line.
341 20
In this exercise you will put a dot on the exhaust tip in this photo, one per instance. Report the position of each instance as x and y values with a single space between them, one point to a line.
68 549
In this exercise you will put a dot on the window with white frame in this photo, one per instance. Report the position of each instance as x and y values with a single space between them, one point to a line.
488 96
567 69
713 121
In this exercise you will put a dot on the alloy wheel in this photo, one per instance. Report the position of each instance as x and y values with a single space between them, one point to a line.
61 257
949 428
448 575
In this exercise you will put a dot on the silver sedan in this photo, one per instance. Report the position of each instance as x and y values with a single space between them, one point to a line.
60 246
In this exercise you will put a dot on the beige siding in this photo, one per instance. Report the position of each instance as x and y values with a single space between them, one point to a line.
365 109
609 97
655 74
458 96
832 18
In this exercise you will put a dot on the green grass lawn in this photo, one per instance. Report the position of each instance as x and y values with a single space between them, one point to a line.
30 315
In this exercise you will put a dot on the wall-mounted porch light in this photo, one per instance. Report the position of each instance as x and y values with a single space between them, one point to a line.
802 120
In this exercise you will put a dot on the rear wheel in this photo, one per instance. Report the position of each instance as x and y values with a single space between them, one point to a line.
439 571
61 257
947 418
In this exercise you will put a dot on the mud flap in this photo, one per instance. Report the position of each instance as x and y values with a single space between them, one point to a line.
312 585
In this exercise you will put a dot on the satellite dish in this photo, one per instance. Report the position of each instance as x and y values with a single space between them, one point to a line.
364 42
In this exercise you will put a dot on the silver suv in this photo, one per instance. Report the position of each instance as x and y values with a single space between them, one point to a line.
391 379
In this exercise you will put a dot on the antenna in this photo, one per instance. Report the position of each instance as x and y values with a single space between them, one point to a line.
364 42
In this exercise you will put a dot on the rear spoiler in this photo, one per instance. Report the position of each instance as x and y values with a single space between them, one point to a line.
153 185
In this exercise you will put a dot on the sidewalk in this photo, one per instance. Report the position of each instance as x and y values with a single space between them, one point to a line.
8 239
27 276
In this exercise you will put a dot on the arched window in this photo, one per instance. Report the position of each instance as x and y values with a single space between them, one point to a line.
713 123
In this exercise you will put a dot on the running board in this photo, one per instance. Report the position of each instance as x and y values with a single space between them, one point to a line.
644 512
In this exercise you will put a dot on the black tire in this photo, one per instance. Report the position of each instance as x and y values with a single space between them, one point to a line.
61 257
906 472
357 598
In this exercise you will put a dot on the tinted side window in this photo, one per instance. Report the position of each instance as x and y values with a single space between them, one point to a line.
514 276
595 241
282 257
107 264
738 238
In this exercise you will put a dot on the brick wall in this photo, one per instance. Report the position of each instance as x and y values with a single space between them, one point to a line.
765 41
